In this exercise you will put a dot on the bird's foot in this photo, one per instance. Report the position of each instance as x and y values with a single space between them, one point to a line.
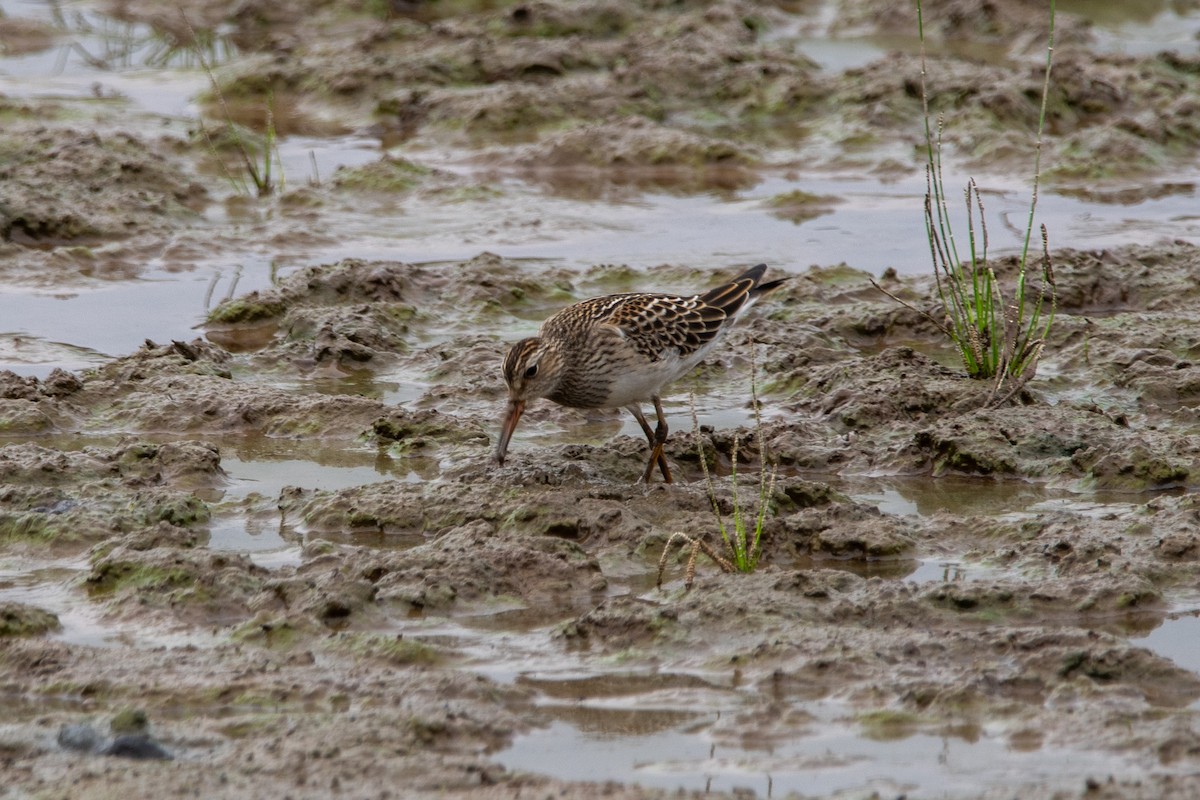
657 457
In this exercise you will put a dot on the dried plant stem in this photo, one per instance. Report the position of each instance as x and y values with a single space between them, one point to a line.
697 546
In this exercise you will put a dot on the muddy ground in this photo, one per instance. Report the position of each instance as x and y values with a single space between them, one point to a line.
300 678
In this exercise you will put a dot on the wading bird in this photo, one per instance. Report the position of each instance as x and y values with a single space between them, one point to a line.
621 350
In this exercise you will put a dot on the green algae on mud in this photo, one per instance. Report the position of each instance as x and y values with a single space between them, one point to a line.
245 309
20 619
424 429
67 499
396 650
800 206
271 632
194 579
386 175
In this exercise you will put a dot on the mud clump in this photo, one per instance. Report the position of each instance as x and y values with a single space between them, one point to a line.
636 144
59 498
1066 443
475 564
188 387
358 311
1150 279
849 531
425 429
389 175
193 585
1127 123
52 180
29 405
480 282
897 384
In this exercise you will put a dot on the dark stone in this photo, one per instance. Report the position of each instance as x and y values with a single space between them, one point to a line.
137 746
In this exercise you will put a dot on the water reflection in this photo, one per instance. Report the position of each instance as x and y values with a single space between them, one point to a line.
1177 638
85 40
832 759
959 495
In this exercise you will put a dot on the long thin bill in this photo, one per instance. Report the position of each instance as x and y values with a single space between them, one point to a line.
512 415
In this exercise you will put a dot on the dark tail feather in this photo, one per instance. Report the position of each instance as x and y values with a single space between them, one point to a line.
731 296
768 287
754 274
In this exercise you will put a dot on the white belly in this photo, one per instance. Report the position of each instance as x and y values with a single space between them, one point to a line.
639 383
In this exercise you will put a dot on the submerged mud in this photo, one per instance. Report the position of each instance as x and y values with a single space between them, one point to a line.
396 636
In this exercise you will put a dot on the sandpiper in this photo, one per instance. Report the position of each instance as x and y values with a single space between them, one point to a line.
622 350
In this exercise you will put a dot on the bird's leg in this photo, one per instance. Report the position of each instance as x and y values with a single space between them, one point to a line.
656 454
660 438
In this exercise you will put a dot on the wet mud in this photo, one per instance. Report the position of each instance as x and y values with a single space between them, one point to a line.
277 557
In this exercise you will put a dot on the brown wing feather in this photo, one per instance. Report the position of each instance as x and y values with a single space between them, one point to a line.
654 322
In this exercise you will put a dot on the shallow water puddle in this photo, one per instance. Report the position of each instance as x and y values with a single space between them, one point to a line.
54 586
1178 639
832 758
671 730
32 355
233 532
967 496
944 570
82 326
1139 28
268 477
922 497
886 568
872 225
94 56
276 543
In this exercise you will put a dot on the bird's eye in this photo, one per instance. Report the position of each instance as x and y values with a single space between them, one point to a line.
529 373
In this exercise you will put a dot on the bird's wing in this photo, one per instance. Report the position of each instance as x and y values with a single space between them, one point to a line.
654 322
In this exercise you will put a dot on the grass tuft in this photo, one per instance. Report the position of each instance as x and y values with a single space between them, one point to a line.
256 166
742 536
998 338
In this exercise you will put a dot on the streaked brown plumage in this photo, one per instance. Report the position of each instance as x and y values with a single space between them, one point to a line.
622 350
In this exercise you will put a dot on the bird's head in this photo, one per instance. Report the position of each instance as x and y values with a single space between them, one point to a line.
531 370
